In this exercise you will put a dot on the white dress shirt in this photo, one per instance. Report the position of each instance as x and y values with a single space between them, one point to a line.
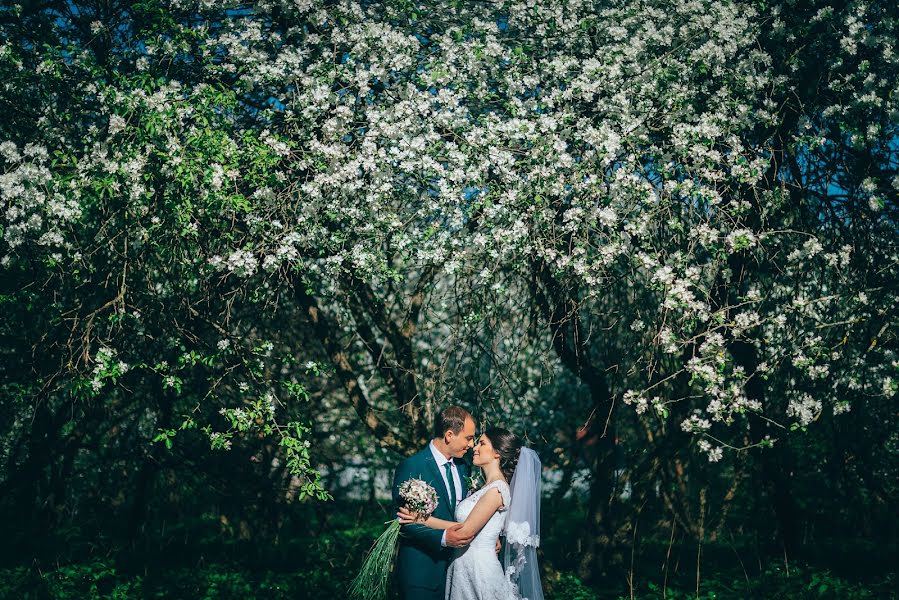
457 481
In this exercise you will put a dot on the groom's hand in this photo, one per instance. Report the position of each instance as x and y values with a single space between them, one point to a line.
456 539
499 546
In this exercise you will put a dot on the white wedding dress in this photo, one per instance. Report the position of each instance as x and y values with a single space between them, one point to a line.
475 572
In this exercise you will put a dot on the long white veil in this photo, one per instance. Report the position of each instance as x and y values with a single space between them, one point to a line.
522 528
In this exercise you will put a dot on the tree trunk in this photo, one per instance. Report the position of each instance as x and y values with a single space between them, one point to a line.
775 464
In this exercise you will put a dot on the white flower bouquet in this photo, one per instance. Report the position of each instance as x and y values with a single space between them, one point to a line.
371 582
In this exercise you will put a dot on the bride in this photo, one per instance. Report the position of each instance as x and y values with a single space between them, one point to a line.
496 509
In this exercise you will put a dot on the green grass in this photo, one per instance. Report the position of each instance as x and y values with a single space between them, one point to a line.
320 554
100 580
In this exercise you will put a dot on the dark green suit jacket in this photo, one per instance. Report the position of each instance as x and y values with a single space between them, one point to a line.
422 561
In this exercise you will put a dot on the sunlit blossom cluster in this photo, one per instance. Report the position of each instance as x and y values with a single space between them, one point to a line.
617 153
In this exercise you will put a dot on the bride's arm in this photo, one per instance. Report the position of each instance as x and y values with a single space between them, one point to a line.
488 504
407 518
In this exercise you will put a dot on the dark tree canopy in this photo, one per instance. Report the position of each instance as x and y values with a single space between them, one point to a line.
243 245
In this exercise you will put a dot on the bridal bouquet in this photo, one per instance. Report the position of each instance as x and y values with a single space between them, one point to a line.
371 582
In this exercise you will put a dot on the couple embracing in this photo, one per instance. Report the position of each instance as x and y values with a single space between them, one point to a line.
453 554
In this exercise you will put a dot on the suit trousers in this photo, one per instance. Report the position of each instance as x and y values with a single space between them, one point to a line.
421 593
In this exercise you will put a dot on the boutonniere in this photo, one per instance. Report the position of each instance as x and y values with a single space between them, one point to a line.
473 482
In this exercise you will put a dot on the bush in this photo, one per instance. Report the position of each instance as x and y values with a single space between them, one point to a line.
96 580
802 583
100 580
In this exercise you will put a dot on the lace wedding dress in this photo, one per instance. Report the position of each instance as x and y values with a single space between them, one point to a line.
475 572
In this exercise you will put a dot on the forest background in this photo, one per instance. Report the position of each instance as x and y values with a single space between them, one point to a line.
249 249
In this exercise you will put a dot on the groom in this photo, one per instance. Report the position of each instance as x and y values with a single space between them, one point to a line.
424 553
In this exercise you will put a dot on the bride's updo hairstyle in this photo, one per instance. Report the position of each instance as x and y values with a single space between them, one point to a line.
507 445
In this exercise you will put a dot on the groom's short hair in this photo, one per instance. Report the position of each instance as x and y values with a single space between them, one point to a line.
451 418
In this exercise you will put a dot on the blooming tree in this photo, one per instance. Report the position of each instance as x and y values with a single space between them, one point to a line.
673 202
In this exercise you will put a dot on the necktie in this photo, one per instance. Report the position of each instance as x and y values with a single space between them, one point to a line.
450 483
